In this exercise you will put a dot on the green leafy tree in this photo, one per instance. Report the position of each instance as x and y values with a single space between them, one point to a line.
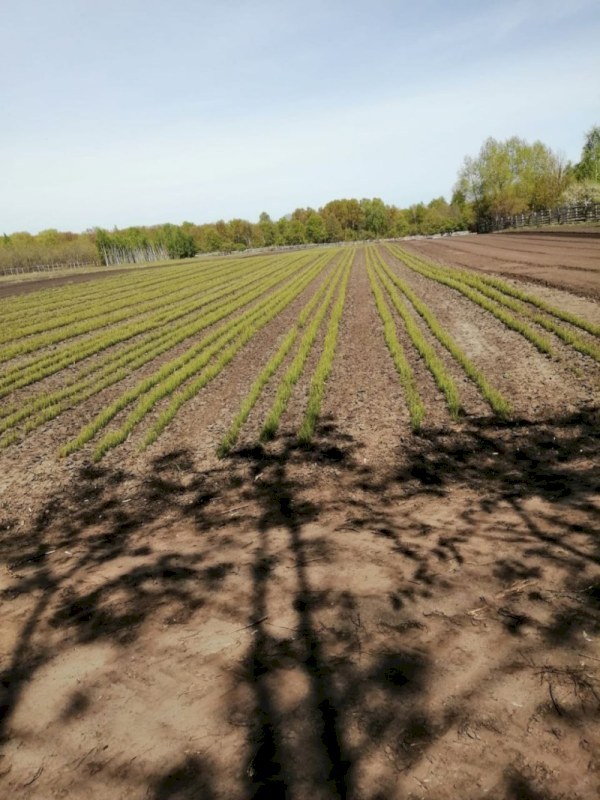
302 214
375 216
268 229
589 166
103 244
349 214
296 232
315 228
49 237
511 177
177 243
240 232
416 215
333 228
440 217
544 177
282 225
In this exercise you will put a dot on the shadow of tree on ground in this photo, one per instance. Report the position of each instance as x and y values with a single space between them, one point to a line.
98 564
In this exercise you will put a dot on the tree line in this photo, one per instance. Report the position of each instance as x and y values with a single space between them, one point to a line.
505 178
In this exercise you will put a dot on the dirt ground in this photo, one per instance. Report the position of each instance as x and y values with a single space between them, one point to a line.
383 615
567 260
28 283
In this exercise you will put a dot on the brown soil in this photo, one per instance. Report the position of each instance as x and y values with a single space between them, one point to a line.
25 284
16 287
571 262
382 616
591 229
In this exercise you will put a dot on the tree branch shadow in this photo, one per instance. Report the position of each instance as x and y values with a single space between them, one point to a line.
353 702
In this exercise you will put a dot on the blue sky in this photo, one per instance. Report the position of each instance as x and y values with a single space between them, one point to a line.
131 112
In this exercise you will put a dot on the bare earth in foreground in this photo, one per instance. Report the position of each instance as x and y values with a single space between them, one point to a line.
382 616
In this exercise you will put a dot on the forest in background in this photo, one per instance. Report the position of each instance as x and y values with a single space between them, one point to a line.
505 178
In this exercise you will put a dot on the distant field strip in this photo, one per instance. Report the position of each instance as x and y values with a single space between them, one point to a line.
58 300
495 296
492 396
116 367
55 302
96 303
85 347
95 316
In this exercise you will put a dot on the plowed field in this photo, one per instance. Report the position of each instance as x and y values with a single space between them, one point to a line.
570 260
313 525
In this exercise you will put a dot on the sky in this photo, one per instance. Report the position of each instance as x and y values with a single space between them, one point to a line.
126 112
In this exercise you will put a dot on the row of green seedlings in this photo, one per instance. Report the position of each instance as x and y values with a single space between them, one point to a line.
296 368
440 375
46 363
183 290
169 413
222 345
416 408
93 297
105 311
316 392
66 306
492 396
43 408
324 294
398 293
88 320
97 298
160 326
54 300
495 296
510 321
117 367
479 281
153 327
199 365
